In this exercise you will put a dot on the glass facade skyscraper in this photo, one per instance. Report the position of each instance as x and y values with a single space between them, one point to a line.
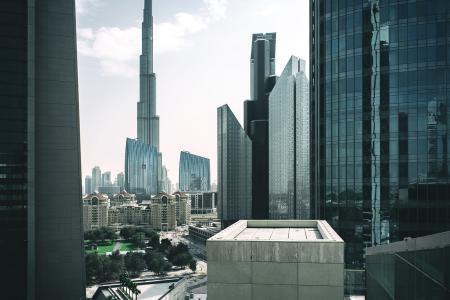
141 169
194 173
289 144
234 172
41 233
380 116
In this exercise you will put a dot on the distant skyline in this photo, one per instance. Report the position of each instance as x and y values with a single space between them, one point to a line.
202 60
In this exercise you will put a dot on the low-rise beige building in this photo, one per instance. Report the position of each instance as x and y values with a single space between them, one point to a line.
95 211
123 198
163 212
129 214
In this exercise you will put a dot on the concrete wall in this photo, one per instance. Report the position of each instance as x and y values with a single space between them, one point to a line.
275 270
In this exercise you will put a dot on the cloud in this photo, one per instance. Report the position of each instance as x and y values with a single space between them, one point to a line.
117 49
82 6
269 10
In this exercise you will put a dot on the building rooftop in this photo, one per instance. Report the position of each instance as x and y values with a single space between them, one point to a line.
279 230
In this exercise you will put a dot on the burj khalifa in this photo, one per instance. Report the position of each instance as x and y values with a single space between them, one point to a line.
147 120
143 159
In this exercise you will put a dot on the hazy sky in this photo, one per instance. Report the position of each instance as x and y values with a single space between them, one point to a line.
202 51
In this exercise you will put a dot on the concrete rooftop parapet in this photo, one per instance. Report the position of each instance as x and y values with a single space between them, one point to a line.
276 259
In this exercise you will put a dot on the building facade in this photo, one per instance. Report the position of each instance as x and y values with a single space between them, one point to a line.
95 211
183 208
163 212
391 269
262 80
289 144
234 166
194 173
276 259
141 169
380 81
41 231
203 203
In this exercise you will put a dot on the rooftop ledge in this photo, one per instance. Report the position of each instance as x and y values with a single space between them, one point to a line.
279 231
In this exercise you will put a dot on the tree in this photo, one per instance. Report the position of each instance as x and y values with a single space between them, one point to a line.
165 245
127 232
139 239
181 259
134 263
193 265
156 263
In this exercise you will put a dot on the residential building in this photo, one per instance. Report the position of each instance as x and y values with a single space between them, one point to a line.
415 268
88 184
203 203
163 212
120 181
183 208
123 198
289 144
129 214
262 80
234 153
194 173
276 259
95 211
106 179
41 231
379 116
96 178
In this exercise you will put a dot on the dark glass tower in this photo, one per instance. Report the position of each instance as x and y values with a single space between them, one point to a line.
380 84
41 233
262 77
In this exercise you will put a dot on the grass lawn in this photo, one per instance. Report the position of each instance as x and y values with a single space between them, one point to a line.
109 246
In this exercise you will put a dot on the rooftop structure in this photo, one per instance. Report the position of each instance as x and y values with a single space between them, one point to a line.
276 259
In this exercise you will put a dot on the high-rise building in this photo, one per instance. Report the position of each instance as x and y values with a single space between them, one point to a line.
95 211
194 173
289 144
142 150
106 179
96 178
141 169
380 79
147 120
262 75
234 158
41 232
120 180
88 184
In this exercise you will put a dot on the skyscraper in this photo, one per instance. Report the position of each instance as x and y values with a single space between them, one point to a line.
194 173
41 234
147 120
262 76
289 144
147 142
234 158
120 180
88 184
106 179
96 178
380 79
